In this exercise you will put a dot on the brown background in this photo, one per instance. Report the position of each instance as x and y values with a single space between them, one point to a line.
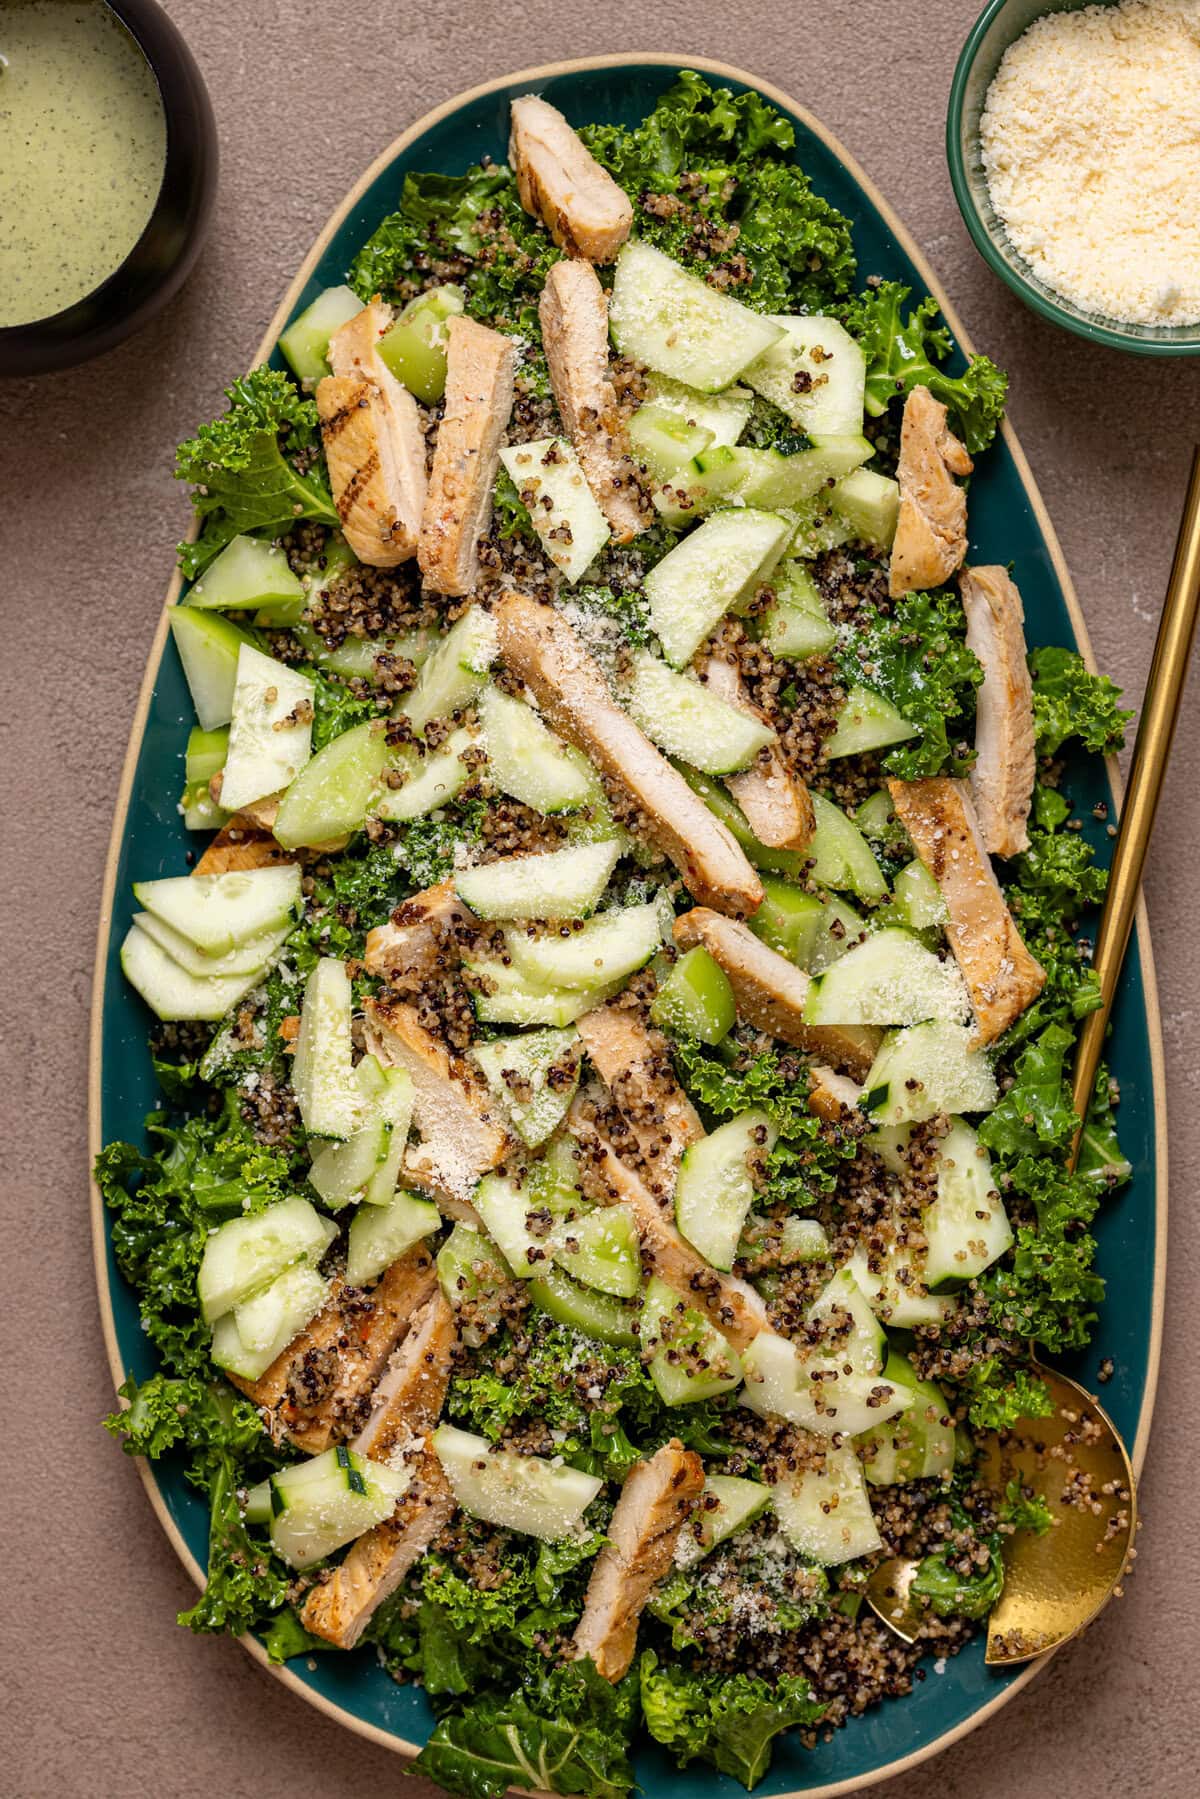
104 1695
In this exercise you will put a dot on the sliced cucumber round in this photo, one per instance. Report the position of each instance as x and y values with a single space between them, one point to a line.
268 1321
246 1254
552 485
329 1501
858 1338
796 623
340 1172
825 1514
816 374
679 325
533 1077
695 998
270 734
927 1069
564 883
379 1234
685 719
690 1359
250 573
967 1227
840 854
453 674
888 979
172 991
305 343
599 1315
332 794
920 1444
209 646
714 1189
218 912
609 947
600 1249
727 1505
528 762
867 722
710 572
525 1493
803 1240
327 1088
813 1390
431 780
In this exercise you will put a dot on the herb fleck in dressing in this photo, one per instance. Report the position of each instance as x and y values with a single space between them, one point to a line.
83 143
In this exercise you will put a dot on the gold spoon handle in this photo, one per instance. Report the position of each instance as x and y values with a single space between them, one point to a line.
1160 714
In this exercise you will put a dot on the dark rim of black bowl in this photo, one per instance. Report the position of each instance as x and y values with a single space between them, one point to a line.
163 257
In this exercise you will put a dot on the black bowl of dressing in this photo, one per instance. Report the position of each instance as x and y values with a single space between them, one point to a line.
108 169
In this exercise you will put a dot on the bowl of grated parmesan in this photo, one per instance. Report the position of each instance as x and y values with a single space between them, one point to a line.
1073 137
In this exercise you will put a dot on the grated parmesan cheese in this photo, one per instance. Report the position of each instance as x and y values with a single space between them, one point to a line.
1090 139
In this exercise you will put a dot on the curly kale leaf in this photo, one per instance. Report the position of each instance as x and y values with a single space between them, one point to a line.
1036 1114
798 246
567 1732
509 510
1025 1511
256 468
1049 1291
691 123
939 1587
336 708
350 895
917 658
999 1391
906 353
1101 1158
425 848
727 1720
1070 702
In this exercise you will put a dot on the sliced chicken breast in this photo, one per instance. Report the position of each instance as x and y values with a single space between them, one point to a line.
832 1096
240 843
574 316
931 532
408 1400
657 1499
462 1135
346 1600
1002 977
770 991
479 396
314 1393
561 183
775 800
539 646
374 446
1005 756
414 940
634 1062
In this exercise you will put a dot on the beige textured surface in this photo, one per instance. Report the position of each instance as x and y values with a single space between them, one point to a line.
104 1695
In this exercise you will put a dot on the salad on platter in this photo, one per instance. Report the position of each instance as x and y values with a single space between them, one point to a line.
612 1167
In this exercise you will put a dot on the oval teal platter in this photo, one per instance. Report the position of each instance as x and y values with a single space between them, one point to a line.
1008 523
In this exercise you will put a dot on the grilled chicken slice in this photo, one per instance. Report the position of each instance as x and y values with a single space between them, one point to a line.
1005 756
479 397
417 937
1002 977
770 991
371 431
832 1096
776 801
241 843
574 318
657 1499
539 646
314 1392
931 532
733 1306
342 1606
634 1062
561 183
462 1137
408 1400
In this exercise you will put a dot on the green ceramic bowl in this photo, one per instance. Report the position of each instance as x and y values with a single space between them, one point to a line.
998 26
1008 523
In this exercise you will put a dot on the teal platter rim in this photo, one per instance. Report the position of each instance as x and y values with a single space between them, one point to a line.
1009 522
998 26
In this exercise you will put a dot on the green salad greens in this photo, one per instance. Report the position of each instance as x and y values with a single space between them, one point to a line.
598 1200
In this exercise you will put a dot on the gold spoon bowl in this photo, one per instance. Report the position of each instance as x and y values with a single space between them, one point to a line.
1054 1584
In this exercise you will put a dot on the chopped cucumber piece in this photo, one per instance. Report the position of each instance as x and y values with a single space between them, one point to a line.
511 999
554 1180
825 1514
691 1360
432 780
678 325
170 991
917 899
320 1505
966 1228
471 1271
897 1293
685 719
268 1321
246 1254
856 1335
876 819
564 883
796 623
609 947
888 979
803 1240
270 736
324 1080
414 349
727 1505
813 1390
712 570
664 441
867 722
715 1189
504 1208
533 1077
305 343
818 526
205 757
250 573
529 762
395 1106
843 929
740 475
379 1234
600 1249
816 374
840 854
599 1315
340 1172
927 1069
917 1446
249 958
209 646
330 797
218 912
789 920
870 505
724 414
554 490
517 1492
696 999
453 674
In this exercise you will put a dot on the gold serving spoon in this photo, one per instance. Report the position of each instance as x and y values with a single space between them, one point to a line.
1055 1584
